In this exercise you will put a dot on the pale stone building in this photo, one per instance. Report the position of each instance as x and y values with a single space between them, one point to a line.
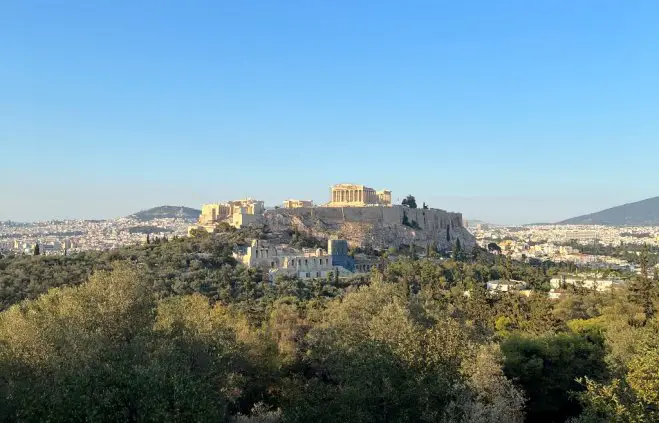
283 260
236 213
347 195
295 204
304 264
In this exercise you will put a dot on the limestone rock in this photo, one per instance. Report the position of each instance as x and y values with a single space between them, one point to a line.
379 227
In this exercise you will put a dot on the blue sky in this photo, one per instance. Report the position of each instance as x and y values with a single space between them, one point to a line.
508 111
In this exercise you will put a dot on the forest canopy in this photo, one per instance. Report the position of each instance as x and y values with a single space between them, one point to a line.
178 331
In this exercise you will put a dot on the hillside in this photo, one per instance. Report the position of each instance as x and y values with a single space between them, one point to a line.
379 227
164 212
645 212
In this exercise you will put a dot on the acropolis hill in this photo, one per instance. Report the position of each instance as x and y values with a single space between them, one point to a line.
356 213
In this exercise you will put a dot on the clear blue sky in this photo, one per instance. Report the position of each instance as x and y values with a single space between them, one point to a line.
508 111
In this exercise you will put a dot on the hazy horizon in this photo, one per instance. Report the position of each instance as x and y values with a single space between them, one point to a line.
122 202
508 113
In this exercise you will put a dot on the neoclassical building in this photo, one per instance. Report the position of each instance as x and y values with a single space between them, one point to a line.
346 195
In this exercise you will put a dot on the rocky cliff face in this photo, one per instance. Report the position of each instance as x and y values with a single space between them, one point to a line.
379 227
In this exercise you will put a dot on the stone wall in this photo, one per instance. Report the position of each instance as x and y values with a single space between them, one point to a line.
381 227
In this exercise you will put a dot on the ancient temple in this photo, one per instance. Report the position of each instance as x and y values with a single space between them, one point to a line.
352 195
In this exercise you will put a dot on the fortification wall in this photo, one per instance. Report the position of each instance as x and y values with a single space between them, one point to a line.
425 218
380 227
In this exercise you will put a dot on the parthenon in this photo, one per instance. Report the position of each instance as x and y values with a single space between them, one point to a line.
343 195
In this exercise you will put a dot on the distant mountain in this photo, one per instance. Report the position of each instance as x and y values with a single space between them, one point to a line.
164 212
641 213
472 223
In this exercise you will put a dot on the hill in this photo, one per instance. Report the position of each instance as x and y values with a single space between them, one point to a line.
645 212
164 212
378 227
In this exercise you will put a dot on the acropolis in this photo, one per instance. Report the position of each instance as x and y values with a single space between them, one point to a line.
356 213
351 195
246 212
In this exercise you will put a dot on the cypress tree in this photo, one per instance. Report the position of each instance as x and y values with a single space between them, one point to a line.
406 221
434 248
643 290
36 249
457 250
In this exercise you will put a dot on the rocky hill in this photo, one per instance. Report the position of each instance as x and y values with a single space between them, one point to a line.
379 227
164 212
640 213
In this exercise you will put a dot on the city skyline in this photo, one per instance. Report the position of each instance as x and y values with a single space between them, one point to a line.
451 204
508 113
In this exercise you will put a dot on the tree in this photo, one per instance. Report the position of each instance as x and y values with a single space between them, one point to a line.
107 351
458 254
643 291
413 251
547 367
433 248
493 248
36 249
632 395
148 239
409 201
425 206
448 234
199 233
406 221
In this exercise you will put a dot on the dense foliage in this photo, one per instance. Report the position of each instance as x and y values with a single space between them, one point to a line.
178 331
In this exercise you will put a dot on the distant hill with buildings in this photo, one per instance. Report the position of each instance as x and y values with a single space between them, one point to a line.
355 213
164 212
645 212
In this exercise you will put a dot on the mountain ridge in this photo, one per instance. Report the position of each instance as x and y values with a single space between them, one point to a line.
639 213
164 212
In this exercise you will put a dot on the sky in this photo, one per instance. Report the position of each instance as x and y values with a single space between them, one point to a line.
509 111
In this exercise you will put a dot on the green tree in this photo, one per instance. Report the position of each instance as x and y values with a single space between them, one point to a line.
632 394
643 291
493 248
405 221
458 253
36 249
548 367
106 351
409 201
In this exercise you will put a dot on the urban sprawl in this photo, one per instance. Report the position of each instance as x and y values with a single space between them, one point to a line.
600 254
